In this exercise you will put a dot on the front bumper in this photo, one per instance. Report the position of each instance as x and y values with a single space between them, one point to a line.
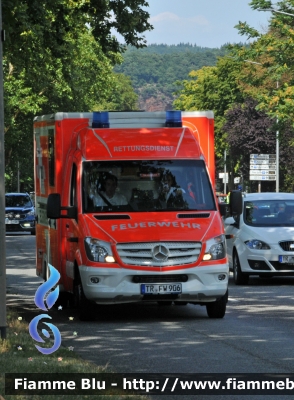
266 262
116 285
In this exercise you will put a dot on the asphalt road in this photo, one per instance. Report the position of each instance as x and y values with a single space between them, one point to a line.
255 336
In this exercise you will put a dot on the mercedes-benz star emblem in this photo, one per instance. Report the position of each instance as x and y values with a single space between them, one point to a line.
160 253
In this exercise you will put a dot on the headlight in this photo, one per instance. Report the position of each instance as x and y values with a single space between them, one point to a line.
31 212
98 251
256 244
215 248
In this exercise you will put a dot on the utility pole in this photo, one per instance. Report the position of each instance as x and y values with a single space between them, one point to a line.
2 196
277 155
18 187
225 172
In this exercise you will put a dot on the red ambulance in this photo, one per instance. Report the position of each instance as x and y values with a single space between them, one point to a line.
126 209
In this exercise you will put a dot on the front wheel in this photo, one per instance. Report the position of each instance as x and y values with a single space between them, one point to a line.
85 308
63 300
239 277
217 309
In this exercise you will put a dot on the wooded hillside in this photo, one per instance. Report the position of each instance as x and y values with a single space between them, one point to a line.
155 69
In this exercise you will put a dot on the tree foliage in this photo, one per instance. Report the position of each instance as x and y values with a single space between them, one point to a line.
271 79
59 56
251 131
213 88
268 74
122 96
52 21
251 92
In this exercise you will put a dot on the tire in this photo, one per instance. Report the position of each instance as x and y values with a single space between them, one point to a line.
217 309
239 277
63 300
86 309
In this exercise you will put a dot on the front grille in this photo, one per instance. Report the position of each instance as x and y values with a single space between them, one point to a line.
287 245
174 253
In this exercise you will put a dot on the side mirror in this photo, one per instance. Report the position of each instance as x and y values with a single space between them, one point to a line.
236 202
54 208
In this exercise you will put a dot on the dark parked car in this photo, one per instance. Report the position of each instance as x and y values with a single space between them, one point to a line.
19 213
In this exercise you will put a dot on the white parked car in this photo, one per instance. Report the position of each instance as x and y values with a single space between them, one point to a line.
260 240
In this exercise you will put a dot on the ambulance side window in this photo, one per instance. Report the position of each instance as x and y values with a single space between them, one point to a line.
73 186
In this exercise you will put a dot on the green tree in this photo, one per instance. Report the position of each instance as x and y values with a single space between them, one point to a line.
122 96
51 21
73 83
271 79
59 56
250 131
269 72
212 88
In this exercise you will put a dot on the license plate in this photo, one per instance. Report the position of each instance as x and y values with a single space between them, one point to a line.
161 288
11 221
286 259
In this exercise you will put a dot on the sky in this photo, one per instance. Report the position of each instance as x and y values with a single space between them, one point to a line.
206 23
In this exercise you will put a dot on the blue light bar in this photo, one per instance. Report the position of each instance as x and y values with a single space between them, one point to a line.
100 119
173 119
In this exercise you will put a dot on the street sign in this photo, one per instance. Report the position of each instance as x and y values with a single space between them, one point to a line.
267 167
262 172
263 162
262 167
224 177
221 175
262 177
263 156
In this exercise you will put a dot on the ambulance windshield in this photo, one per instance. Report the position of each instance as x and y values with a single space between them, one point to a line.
143 185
